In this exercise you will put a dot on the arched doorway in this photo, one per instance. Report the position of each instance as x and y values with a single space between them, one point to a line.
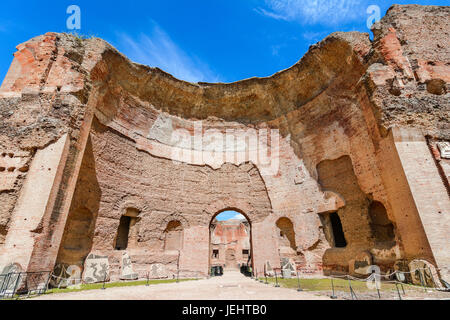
230 242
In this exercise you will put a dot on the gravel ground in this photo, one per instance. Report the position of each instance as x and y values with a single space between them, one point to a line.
231 286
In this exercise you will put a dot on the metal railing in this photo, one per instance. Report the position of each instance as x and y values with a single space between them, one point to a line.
24 284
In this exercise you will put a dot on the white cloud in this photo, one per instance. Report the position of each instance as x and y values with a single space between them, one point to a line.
239 217
271 14
157 49
315 36
326 12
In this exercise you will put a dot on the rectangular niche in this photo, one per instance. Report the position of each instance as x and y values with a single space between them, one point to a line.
333 230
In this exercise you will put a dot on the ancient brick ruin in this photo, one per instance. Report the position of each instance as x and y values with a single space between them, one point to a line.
89 170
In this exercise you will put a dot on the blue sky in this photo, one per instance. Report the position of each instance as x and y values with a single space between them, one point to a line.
208 40
227 215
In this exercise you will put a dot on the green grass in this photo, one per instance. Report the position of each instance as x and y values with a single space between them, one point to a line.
339 285
96 286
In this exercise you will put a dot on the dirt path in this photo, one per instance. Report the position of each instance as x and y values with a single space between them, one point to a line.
232 286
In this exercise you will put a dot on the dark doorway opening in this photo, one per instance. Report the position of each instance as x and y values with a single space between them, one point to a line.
338 232
122 233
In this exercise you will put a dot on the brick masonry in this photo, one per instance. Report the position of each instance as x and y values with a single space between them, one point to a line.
356 125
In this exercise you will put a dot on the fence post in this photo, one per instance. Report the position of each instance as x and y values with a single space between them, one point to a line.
351 289
298 282
398 291
333 295
48 281
15 286
265 271
421 281
178 265
104 280
276 279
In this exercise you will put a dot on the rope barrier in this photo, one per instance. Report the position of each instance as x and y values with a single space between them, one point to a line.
377 278
78 281
385 282
373 277
382 279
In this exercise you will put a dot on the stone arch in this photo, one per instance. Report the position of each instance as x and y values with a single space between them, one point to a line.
174 217
127 202
238 205
231 208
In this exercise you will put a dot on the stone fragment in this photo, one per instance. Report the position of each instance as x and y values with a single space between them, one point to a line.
444 148
286 273
269 270
10 278
424 273
96 269
65 275
158 271
126 268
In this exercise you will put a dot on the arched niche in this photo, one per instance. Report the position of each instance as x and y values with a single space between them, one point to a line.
173 236
382 227
286 233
